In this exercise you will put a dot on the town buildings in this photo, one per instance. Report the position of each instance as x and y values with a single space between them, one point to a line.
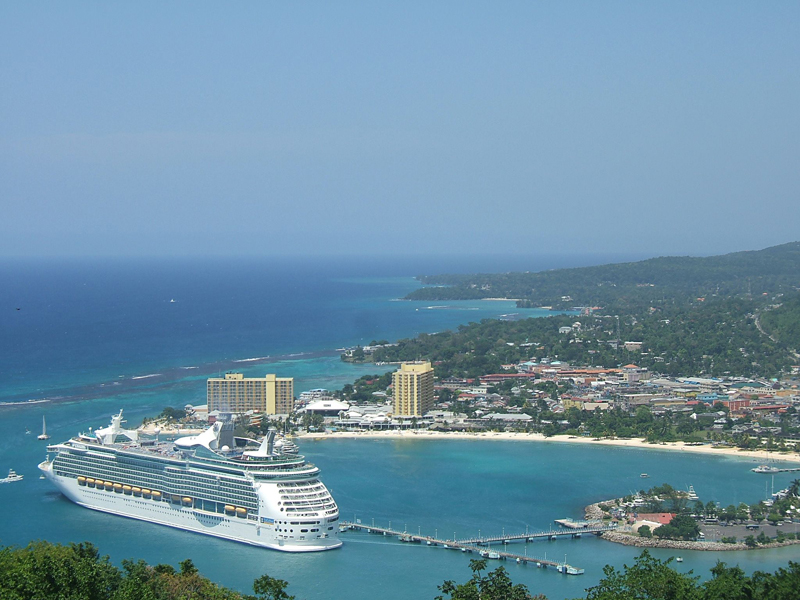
238 394
413 389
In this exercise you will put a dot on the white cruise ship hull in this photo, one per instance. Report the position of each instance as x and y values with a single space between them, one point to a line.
188 518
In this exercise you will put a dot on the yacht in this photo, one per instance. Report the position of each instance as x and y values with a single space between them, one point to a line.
12 477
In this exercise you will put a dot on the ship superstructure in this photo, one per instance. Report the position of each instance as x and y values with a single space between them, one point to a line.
211 483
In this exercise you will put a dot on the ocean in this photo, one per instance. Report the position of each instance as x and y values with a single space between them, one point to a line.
81 339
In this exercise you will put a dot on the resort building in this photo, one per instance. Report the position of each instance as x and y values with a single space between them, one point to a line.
238 394
413 389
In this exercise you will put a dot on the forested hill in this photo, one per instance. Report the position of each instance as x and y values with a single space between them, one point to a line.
656 280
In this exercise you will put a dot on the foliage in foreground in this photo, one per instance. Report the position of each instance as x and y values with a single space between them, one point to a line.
653 579
496 585
648 579
78 572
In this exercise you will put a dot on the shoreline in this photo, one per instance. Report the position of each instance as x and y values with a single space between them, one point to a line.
759 456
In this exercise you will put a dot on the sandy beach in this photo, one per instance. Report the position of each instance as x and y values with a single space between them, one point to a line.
757 456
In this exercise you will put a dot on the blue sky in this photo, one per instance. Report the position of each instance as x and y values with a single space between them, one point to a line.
260 128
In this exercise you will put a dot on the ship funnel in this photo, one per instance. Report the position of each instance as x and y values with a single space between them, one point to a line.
269 440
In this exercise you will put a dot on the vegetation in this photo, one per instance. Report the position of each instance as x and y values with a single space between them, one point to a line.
693 315
647 579
77 571
653 579
681 527
496 585
630 285
783 322
715 338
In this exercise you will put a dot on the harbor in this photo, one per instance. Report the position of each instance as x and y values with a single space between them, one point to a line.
481 545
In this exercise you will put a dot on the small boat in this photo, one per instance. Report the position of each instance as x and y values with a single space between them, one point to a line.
12 477
766 469
43 435
644 475
679 559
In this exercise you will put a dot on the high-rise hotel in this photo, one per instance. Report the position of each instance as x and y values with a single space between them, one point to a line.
237 394
413 389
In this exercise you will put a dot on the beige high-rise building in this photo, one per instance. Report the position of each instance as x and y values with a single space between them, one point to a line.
413 389
237 394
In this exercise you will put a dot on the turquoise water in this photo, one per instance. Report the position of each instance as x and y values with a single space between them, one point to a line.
86 331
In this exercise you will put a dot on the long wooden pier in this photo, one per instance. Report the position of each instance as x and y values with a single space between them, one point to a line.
473 545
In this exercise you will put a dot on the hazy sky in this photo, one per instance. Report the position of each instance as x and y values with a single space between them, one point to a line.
398 127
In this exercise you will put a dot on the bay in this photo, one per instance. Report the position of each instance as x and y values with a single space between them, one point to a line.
88 334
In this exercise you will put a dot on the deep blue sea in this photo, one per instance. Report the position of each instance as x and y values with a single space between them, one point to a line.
84 338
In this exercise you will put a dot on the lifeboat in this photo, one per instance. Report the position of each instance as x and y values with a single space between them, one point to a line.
81 480
118 488
146 493
109 485
187 500
175 498
229 508
90 481
241 512
127 489
156 495
137 491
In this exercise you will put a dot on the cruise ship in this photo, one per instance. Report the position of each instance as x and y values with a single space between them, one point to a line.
210 483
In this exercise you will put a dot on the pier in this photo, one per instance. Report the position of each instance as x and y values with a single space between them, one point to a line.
477 545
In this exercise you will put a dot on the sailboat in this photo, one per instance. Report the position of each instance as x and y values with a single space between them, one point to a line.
43 435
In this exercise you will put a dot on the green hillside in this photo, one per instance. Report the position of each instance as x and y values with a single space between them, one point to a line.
629 285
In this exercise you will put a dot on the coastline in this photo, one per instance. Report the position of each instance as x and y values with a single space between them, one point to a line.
759 456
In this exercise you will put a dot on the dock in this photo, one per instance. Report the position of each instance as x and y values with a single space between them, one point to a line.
770 470
478 545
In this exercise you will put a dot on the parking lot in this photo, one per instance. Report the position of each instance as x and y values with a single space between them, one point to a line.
715 532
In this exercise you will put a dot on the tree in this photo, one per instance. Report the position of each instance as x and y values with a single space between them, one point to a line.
648 579
645 532
726 583
681 527
270 588
496 585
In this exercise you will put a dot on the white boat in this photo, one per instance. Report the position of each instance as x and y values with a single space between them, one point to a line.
644 475
43 435
286 446
12 477
765 469
203 483
691 495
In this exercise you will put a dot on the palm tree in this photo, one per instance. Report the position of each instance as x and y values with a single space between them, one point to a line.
794 488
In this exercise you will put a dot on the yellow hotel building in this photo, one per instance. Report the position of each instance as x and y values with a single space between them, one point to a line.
413 389
237 394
